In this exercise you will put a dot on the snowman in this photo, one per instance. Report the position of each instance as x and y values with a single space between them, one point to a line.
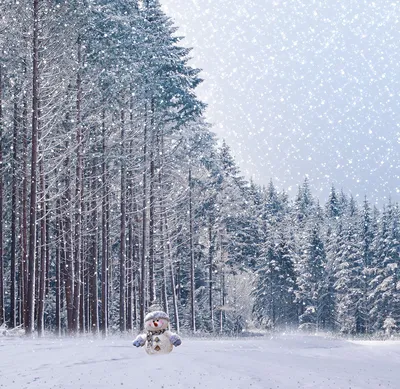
158 339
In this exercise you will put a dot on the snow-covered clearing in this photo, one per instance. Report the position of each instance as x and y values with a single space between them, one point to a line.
286 361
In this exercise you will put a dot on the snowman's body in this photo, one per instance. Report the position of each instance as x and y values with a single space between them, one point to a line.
158 339
158 342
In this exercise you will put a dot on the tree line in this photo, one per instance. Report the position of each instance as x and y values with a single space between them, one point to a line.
331 267
115 194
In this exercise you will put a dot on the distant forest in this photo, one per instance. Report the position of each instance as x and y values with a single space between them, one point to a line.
115 194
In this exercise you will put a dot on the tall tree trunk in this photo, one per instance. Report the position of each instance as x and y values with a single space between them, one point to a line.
109 261
130 250
222 296
192 265
48 240
122 255
58 236
164 297
20 318
173 284
82 302
210 272
104 234
2 310
24 204
129 275
63 266
144 225
43 243
32 208
131 238
136 257
83 317
14 195
152 294
78 192
86 299
67 244
94 300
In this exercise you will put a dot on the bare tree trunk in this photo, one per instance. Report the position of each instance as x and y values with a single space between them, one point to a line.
20 282
67 244
86 299
210 273
130 248
24 223
222 296
42 285
109 261
63 266
32 208
173 285
192 266
136 258
129 283
83 317
37 264
58 236
69 285
152 294
82 301
144 225
104 233
164 297
94 300
2 310
14 195
131 238
78 192
122 256
84 305
48 240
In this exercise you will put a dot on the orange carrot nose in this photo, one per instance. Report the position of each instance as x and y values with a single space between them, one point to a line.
155 324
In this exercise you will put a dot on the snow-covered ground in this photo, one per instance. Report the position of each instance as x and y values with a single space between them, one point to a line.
284 362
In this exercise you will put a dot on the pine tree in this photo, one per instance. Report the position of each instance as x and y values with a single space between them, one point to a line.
332 205
275 285
304 203
349 276
385 265
368 230
310 293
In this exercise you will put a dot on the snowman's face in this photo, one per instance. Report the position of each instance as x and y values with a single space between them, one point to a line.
156 324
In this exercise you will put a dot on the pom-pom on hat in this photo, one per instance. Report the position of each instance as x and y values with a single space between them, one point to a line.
156 313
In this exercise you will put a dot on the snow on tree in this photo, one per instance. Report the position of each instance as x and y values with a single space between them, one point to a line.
384 282
310 276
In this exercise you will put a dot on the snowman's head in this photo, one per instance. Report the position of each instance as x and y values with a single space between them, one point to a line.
156 321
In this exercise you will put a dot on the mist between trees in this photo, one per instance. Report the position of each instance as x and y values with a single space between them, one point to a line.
114 194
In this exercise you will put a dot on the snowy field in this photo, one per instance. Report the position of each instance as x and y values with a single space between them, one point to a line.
285 362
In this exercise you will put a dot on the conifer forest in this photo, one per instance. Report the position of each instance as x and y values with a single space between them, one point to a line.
115 194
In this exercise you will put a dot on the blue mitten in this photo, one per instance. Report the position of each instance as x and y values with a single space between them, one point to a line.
139 342
175 340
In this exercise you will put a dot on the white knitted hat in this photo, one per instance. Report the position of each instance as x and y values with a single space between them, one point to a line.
156 315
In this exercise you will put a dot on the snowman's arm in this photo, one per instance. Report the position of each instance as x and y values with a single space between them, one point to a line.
173 338
140 340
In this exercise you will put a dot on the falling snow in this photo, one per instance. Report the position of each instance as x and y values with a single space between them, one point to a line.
302 88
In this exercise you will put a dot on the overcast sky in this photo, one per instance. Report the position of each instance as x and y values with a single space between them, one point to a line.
302 88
